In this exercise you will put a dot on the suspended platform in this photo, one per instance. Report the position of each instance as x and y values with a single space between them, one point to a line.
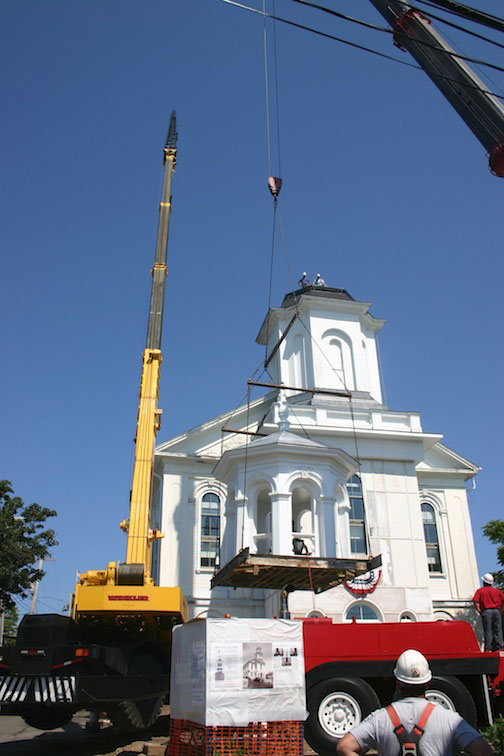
301 573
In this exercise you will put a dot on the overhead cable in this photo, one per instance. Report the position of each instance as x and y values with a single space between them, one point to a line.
463 29
398 34
361 47
465 11
320 34
387 29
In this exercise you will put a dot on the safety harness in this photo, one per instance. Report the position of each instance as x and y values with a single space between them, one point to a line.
409 741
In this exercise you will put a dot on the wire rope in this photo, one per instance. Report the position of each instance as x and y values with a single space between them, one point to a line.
476 65
362 47
277 105
388 30
244 504
396 33
288 262
266 86
445 21
270 287
496 22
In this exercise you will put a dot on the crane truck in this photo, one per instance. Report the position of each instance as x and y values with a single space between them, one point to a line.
113 652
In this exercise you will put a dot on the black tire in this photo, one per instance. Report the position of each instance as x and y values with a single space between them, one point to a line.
452 694
132 716
335 706
47 717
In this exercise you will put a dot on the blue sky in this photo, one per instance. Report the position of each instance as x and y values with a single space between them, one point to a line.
386 193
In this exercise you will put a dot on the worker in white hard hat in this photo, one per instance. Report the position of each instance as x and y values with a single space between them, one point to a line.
489 603
413 725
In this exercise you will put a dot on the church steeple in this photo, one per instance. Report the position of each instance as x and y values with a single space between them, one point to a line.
330 343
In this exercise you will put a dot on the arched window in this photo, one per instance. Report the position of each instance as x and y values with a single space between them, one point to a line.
407 617
431 537
316 614
362 613
357 517
210 530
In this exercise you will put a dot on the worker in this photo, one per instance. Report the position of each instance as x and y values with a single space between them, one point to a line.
304 281
319 281
411 725
489 602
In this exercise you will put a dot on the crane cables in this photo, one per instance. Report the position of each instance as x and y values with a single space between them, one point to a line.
398 33
465 11
364 48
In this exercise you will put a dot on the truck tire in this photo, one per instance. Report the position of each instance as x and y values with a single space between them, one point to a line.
131 716
450 693
335 706
47 717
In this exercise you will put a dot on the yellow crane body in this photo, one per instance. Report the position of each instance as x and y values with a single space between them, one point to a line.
127 590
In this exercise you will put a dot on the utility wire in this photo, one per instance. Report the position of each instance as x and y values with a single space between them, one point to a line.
463 29
465 11
398 34
361 47
321 34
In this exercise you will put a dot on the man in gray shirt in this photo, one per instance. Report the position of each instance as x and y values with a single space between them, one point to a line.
445 732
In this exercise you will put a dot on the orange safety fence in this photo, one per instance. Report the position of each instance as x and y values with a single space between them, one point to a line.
256 739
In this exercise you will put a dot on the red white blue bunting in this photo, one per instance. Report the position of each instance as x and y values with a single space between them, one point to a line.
365 583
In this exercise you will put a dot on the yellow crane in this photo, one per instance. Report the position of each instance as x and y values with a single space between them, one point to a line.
113 653
115 591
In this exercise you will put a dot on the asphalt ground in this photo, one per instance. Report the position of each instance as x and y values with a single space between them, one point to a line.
18 739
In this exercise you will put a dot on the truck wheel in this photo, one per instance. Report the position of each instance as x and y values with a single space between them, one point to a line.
47 717
335 706
450 693
130 716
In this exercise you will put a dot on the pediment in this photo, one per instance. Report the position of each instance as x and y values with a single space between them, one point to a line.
208 439
441 459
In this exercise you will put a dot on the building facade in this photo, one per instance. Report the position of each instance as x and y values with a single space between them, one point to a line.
332 473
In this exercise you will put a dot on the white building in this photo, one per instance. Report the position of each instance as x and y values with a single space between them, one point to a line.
347 476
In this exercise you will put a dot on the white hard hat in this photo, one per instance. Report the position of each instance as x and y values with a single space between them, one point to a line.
488 578
412 668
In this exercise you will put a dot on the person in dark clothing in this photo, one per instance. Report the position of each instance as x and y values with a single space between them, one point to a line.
489 603
304 281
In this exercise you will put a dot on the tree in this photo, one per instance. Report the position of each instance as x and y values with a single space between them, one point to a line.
23 541
494 531
11 619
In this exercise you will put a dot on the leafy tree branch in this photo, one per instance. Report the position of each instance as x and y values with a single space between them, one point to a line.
24 540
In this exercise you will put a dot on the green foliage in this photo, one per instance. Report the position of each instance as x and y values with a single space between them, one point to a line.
494 531
23 541
11 619
495 736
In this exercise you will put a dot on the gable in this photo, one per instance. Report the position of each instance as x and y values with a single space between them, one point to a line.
209 440
440 459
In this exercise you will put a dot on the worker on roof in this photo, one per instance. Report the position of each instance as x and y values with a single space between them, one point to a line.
489 603
412 725
319 281
304 281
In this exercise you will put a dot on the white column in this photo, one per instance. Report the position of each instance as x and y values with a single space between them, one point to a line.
343 529
241 524
327 526
281 523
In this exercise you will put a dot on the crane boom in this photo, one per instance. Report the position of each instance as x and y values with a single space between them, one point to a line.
101 593
481 111
140 534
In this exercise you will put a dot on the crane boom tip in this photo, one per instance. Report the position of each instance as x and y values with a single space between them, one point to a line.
171 139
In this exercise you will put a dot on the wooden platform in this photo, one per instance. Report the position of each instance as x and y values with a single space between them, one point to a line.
269 571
